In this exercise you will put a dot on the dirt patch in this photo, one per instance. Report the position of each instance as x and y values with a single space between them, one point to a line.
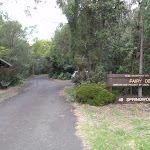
11 91
63 93
81 118
7 93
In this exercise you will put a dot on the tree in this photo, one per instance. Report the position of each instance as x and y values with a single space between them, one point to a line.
59 56
39 51
11 31
15 49
92 25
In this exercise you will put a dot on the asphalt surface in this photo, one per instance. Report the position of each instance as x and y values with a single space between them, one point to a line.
38 118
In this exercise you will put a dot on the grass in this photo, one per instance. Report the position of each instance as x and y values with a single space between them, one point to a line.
115 127
3 94
9 92
71 92
118 113
112 127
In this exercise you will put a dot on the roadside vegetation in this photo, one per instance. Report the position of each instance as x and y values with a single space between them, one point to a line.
113 126
118 127
100 36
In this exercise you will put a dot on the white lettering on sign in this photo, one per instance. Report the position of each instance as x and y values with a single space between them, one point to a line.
127 84
135 81
145 84
120 100
147 80
138 99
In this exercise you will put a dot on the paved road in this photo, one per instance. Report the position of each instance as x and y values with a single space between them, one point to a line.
38 118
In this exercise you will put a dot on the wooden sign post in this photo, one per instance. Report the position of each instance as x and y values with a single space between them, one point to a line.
129 80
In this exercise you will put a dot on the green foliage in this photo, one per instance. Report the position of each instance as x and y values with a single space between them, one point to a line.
117 113
95 27
58 56
4 51
107 33
67 75
103 130
15 49
61 76
76 79
41 47
40 50
12 76
71 92
54 76
94 94
64 76
136 121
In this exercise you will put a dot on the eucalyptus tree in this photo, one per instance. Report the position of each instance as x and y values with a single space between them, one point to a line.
59 56
144 23
11 31
15 49
93 26
39 51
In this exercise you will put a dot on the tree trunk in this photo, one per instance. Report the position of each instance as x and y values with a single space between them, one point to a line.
141 56
132 68
82 74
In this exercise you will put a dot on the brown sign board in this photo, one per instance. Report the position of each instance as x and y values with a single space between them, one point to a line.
128 80
132 99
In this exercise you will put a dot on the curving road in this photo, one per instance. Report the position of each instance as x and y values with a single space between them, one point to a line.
38 118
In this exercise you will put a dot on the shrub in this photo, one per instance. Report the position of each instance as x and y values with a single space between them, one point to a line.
64 76
94 94
55 76
61 76
76 80
67 75
98 75
93 77
50 75
13 77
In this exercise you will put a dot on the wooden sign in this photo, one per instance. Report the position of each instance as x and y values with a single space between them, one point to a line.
132 99
128 80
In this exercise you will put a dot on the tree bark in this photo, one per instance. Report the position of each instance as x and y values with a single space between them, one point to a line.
141 56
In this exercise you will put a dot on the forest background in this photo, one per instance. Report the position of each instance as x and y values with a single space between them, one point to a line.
101 36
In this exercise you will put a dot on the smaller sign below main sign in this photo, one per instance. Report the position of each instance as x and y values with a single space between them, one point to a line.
132 99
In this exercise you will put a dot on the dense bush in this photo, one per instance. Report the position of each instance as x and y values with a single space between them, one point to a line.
76 80
94 94
93 77
67 76
62 76
97 76
11 75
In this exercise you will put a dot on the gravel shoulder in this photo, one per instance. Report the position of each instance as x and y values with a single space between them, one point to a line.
9 92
